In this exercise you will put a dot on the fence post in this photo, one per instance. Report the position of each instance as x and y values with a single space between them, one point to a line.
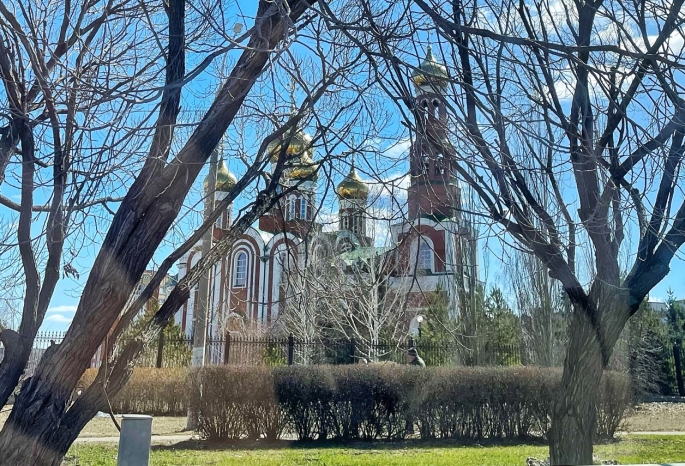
227 350
160 349
353 350
291 349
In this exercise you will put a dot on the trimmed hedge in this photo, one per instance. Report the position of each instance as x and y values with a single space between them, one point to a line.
159 392
379 401
232 402
362 401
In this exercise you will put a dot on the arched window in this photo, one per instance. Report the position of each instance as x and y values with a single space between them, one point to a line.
425 164
291 209
425 259
303 208
240 270
440 165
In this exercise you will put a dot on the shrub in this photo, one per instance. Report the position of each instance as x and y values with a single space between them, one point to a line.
373 401
362 401
614 399
234 402
159 392
477 403
306 395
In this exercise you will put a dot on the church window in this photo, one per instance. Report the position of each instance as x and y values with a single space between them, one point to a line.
425 259
440 166
303 208
425 164
240 272
291 210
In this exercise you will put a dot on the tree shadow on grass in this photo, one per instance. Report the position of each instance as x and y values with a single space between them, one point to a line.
263 444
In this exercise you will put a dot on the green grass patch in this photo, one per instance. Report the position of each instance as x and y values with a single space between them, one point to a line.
635 449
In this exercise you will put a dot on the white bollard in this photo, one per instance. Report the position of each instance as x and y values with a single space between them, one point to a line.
134 440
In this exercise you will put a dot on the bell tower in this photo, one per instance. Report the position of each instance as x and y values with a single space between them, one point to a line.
352 203
433 191
296 211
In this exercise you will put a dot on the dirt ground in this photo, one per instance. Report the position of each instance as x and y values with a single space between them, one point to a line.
656 417
103 426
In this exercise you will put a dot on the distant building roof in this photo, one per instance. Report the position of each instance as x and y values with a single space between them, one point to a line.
350 257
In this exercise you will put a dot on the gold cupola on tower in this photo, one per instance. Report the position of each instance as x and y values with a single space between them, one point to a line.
299 164
225 180
352 187
430 72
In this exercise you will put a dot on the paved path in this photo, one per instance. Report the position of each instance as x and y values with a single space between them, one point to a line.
672 432
167 439
156 439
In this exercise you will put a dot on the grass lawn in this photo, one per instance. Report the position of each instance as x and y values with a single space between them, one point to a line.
636 449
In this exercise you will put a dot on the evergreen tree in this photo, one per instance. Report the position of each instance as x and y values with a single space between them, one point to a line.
504 334
176 348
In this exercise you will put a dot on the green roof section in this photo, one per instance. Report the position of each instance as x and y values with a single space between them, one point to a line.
364 254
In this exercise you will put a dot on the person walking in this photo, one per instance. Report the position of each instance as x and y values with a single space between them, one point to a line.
413 358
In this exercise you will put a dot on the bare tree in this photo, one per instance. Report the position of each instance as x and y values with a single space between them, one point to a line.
350 295
542 307
44 420
602 78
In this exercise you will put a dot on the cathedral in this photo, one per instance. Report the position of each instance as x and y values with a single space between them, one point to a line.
433 247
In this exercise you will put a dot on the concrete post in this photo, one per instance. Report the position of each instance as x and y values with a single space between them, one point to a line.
134 440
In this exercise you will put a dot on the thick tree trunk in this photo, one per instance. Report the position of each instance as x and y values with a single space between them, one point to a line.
23 446
17 353
574 412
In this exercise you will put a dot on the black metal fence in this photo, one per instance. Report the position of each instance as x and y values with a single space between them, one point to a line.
273 351
668 365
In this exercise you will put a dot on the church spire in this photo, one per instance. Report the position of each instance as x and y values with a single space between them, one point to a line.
433 191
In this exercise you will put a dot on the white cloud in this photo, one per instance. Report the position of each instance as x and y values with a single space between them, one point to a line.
398 150
62 309
673 46
59 318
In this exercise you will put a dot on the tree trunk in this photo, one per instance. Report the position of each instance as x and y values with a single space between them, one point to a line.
574 412
21 446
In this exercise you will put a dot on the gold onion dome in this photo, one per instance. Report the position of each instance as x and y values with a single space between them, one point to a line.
430 71
299 163
225 180
302 168
299 143
352 187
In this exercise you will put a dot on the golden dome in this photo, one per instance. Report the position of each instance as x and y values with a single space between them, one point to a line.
299 164
225 180
352 187
302 168
299 143
430 71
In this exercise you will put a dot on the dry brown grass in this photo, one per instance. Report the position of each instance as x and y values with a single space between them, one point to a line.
656 417
103 426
